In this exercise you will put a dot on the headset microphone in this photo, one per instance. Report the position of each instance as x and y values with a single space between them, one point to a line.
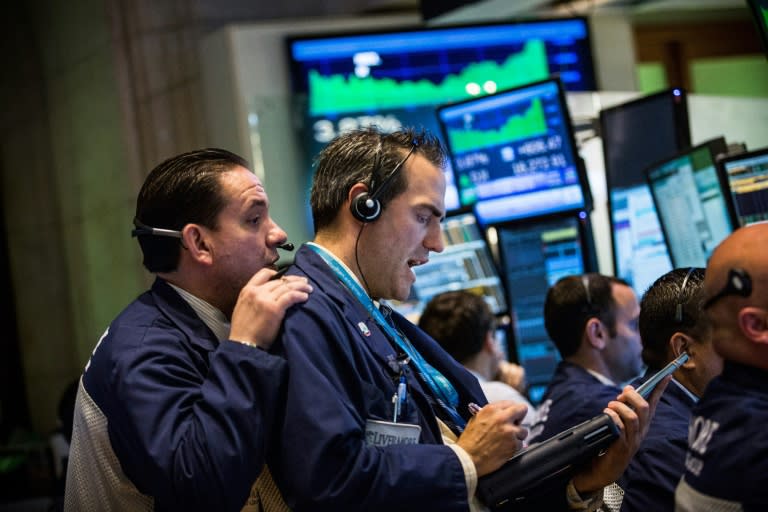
287 246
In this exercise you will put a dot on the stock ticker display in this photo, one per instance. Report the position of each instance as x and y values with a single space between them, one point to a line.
397 78
514 154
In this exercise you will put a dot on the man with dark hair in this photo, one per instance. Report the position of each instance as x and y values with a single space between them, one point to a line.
592 320
174 407
377 416
671 322
727 458
464 325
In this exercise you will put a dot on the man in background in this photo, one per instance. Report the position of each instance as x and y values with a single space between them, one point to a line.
671 322
464 325
592 320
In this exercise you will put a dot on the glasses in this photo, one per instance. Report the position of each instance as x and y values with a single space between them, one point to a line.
739 283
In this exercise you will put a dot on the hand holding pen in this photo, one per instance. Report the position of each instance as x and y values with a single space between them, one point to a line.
494 434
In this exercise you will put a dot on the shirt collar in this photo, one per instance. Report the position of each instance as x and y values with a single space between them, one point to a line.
343 265
210 315
602 378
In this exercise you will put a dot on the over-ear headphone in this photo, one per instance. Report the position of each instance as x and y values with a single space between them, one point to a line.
366 206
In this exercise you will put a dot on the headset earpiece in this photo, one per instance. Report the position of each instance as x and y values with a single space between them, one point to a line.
366 208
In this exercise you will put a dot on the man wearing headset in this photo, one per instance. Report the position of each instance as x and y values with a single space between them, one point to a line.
592 320
175 407
726 465
671 323
377 415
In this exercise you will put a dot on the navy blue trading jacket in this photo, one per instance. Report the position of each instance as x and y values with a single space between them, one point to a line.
727 456
187 416
572 397
650 479
339 377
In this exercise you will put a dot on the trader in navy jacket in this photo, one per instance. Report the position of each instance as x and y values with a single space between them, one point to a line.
592 320
377 415
175 407
726 465
671 322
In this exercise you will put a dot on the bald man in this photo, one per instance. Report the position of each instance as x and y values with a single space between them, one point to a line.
726 467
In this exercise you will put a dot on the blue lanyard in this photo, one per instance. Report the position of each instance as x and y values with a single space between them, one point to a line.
441 387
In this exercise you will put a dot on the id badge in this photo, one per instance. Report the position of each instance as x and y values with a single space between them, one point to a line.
385 433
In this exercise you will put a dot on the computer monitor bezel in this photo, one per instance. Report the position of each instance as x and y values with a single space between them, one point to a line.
716 146
578 161
722 172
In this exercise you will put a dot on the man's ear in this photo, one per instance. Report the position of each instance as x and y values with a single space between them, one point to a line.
194 239
681 342
753 322
595 333
489 344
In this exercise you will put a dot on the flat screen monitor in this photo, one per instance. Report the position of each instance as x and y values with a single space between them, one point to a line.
513 153
745 178
636 134
690 203
466 263
395 78
534 254
759 9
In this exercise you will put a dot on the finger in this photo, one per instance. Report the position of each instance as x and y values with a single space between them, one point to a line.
287 297
297 283
262 276
627 415
615 417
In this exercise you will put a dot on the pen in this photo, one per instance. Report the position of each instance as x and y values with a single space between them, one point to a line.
645 389
398 399
473 408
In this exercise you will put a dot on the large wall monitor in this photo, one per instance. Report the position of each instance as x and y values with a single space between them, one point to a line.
636 134
534 254
745 177
395 78
514 154
759 9
465 264
689 199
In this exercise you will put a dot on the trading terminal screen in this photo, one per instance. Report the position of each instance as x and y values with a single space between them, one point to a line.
465 264
746 179
690 202
514 154
534 255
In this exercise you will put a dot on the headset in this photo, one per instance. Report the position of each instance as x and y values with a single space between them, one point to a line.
679 307
145 230
366 206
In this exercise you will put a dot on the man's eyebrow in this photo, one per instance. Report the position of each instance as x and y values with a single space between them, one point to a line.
256 203
436 212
